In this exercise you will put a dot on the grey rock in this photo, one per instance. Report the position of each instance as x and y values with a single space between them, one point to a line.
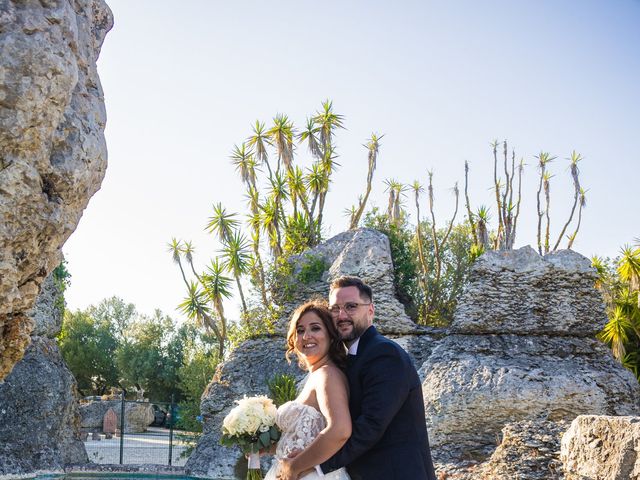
53 154
419 347
476 384
38 414
46 313
523 293
529 450
521 350
137 416
602 448
246 372
363 253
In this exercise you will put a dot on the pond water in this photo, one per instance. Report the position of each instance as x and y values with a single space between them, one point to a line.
112 476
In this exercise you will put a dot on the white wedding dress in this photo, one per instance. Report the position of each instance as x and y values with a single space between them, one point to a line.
300 425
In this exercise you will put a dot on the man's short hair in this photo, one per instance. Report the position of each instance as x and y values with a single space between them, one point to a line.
347 281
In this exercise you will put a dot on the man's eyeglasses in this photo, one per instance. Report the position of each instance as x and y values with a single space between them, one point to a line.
349 308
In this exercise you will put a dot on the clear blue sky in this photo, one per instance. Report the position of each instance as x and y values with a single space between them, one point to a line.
184 82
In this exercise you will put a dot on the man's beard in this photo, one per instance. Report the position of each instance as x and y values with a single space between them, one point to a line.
355 333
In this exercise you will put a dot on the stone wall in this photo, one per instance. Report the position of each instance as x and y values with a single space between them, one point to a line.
53 154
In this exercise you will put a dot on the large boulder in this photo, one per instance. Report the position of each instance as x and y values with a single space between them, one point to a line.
602 448
521 292
521 349
137 415
39 419
38 413
53 154
529 450
245 372
364 253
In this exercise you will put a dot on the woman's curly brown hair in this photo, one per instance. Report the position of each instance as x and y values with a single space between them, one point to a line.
337 350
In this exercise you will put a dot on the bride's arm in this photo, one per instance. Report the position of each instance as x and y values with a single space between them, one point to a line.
333 400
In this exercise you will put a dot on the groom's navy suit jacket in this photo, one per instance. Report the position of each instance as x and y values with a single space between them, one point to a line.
389 436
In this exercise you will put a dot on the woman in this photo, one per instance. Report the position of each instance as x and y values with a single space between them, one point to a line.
317 423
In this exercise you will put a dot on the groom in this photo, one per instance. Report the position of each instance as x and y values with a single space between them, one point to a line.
389 436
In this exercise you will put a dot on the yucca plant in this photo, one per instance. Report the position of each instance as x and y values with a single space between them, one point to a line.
282 387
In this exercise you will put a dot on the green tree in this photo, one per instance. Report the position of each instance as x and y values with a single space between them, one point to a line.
88 347
149 359
434 302
116 313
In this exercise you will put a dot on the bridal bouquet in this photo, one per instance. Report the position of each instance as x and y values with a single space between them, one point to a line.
251 426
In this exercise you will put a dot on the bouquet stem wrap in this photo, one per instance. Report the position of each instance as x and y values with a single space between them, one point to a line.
254 472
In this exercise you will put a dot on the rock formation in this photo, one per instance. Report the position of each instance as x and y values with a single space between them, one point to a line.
521 348
602 448
245 372
39 417
137 415
362 252
529 450
52 149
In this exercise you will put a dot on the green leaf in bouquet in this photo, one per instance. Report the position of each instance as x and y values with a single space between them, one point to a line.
265 439
274 433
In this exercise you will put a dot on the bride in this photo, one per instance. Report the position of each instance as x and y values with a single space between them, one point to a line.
317 423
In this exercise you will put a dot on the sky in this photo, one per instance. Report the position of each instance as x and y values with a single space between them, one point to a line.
184 82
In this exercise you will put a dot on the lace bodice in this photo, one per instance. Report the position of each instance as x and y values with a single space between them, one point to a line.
300 425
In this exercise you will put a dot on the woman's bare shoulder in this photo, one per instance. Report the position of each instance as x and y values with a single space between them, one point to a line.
330 372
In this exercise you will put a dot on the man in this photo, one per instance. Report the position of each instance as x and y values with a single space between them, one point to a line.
389 436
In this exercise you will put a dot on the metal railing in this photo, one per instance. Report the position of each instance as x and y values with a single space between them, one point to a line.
159 444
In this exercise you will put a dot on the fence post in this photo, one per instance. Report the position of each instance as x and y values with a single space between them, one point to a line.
122 409
171 422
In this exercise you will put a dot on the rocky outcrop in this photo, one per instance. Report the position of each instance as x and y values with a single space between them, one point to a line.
537 360
137 415
52 149
364 253
602 448
529 450
246 372
39 421
520 292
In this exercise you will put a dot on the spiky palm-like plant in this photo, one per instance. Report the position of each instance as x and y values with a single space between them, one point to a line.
258 141
581 205
629 269
616 333
217 287
544 158
270 223
310 135
372 146
575 172
483 227
222 223
328 122
417 190
281 136
546 184
236 260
